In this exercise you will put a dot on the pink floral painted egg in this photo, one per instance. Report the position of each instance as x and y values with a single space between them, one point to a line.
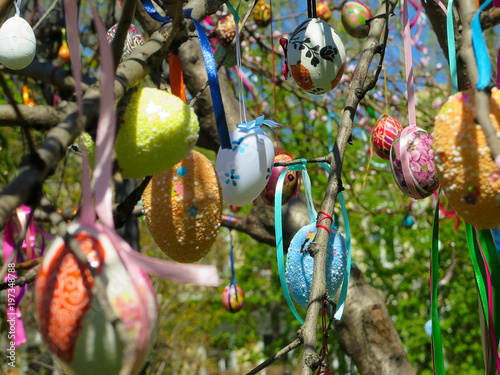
290 183
383 135
233 298
354 16
412 162
316 56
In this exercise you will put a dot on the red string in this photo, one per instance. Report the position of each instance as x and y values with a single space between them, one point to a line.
274 76
323 353
319 225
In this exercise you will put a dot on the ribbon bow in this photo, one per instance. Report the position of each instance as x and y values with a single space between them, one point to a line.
258 122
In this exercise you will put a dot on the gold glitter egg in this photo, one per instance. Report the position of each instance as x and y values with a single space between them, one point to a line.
463 162
183 208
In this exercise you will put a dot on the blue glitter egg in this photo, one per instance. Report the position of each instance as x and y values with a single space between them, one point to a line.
299 264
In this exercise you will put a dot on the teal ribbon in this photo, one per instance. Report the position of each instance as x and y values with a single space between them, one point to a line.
452 53
480 49
312 218
329 128
258 122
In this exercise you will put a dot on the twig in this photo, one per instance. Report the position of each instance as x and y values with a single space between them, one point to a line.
29 264
124 22
125 209
294 344
27 278
321 159
24 125
310 359
46 14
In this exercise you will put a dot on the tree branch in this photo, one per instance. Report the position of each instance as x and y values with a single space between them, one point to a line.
36 117
294 344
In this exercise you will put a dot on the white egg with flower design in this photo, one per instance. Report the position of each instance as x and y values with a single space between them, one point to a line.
245 168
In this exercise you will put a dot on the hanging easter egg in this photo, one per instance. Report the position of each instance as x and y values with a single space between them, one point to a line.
383 135
354 17
157 131
183 208
290 183
70 317
323 12
316 56
412 162
17 43
262 13
299 264
134 39
226 30
233 298
428 328
245 168
465 169
408 221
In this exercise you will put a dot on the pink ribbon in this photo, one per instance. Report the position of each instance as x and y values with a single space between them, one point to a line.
8 243
409 66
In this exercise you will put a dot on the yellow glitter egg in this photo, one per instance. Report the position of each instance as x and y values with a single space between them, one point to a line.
158 130
183 208
463 162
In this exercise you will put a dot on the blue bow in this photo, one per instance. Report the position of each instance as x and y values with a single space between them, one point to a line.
258 122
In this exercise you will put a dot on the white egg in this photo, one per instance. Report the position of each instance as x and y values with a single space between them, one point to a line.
17 43
245 168
316 56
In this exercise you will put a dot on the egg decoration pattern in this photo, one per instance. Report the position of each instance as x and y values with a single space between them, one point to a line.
262 13
134 39
17 43
183 208
233 301
157 131
226 30
315 56
290 184
70 317
245 168
354 17
465 169
299 264
383 136
412 162
323 12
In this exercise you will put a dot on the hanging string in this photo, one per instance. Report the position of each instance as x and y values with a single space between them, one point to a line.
323 353
17 5
233 283
274 76
381 117
410 89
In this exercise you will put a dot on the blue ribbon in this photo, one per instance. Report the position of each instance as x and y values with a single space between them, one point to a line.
210 65
482 57
312 218
258 122
329 128
450 30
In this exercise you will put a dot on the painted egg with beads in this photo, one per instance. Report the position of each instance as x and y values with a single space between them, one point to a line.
233 298
315 56
299 264
17 43
464 166
354 17
157 131
226 30
183 208
383 135
412 162
262 13
70 317
290 183
133 40
245 168
323 12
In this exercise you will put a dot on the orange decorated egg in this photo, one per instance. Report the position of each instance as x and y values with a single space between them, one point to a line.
464 167
183 208
226 30
262 13
70 317
290 183
233 298
323 12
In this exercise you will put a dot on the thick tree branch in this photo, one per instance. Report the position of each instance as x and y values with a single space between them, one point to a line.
310 359
37 117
